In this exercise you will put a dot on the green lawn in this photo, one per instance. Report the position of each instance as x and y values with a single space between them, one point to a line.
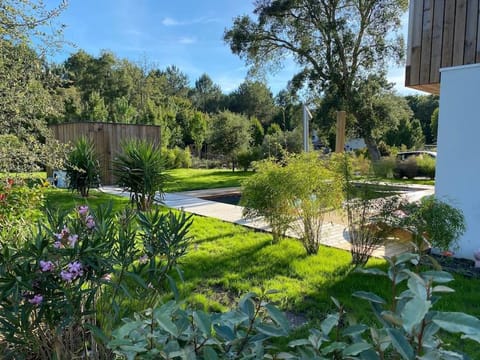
196 179
62 199
227 260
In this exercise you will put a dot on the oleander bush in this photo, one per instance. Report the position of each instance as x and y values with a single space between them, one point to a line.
52 285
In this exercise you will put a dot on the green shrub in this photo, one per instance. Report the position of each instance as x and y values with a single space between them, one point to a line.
314 191
170 331
361 165
177 158
52 285
434 221
20 204
139 169
426 166
247 157
385 167
268 194
83 168
408 168
183 158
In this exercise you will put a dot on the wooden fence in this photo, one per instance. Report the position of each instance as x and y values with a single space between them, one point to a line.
442 33
107 138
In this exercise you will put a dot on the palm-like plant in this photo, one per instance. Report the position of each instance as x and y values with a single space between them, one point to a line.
140 170
83 168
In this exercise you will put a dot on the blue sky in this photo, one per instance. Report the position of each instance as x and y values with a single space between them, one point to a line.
185 33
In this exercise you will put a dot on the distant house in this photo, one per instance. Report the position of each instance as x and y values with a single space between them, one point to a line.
355 144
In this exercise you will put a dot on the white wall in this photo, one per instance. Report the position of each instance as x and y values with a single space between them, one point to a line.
458 161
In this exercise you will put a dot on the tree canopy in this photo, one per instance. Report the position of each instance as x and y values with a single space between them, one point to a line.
337 44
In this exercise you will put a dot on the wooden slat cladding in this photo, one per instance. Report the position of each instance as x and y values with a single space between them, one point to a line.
442 33
107 138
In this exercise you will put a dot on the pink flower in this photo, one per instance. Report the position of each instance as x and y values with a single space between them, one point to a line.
46 266
72 240
75 268
90 222
66 276
107 277
57 244
400 214
143 259
36 300
83 210
64 233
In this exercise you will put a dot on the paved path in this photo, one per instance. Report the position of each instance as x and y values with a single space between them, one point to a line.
334 235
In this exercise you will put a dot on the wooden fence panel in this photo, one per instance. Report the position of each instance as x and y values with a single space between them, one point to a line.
107 138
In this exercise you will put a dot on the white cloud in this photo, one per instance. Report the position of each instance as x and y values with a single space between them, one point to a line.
187 40
170 22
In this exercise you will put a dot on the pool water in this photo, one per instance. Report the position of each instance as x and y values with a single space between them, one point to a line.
232 199
367 191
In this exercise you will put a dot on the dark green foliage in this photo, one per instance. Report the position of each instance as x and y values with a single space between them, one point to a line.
83 168
229 135
435 221
423 107
170 331
140 169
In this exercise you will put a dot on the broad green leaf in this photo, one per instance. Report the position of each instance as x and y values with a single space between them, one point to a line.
167 324
247 306
203 322
407 257
285 356
457 322
277 316
336 302
443 289
401 344
369 296
224 332
414 312
475 337
440 277
392 318
354 330
299 342
335 346
356 349
417 285
270 330
329 323
209 353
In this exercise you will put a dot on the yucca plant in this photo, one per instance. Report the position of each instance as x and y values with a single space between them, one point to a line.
83 168
140 170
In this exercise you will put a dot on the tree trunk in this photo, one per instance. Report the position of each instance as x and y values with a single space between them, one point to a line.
372 148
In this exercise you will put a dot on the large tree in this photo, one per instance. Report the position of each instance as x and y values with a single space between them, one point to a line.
253 99
26 84
336 43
